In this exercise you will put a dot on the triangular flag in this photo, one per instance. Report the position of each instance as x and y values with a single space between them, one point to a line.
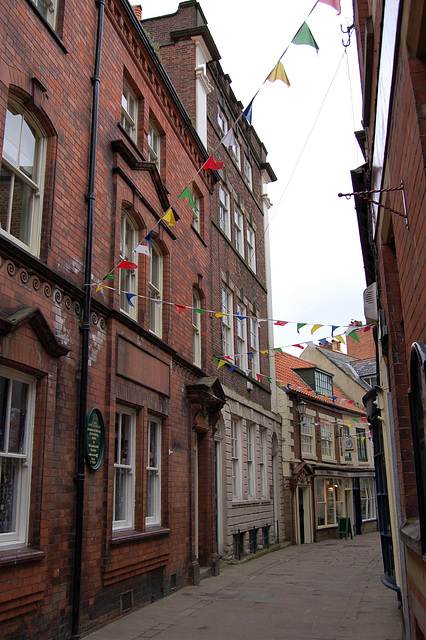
304 36
228 139
367 328
265 351
269 380
278 73
199 311
220 315
298 345
258 376
109 276
316 327
101 286
250 353
215 361
129 297
353 335
248 112
234 366
180 308
279 350
148 238
333 3
187 194
125 264
242 317
300 325
247 371
340 339
333 329
221 363
169 217
141 248
280 323
323 341
211 163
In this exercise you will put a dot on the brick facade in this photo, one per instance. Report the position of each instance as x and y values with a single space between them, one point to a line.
394 256
47 72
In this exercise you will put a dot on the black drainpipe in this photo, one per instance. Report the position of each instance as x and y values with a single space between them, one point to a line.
85 334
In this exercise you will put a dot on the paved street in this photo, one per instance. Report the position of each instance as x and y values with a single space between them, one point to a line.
325 591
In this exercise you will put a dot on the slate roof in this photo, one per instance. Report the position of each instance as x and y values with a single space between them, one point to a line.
349 365
285 365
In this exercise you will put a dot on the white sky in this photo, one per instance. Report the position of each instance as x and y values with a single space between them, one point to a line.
308 130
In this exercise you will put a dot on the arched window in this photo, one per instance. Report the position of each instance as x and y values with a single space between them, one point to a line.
128 277
22 178
155 290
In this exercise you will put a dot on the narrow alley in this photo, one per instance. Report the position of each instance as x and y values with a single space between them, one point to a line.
330 590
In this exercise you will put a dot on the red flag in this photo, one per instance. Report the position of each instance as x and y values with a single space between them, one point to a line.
124 264
280 323
180 307
211 163
258 376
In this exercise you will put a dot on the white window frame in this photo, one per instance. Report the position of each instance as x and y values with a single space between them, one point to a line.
327 440
361 445
251 479
17 536
251 249
344 434
129 237
154 146
155 291
196 329
222 121
323 383
307 438
242 348
227 323
248 173
129 111
262 462
48 9
153 473
236 152
368 499
236 457
196 213
239 231
34 184
124 465
224 211
254 346
331 499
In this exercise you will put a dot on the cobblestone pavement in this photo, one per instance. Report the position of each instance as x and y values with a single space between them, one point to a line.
330 590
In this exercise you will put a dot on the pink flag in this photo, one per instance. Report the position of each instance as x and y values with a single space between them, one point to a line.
333 3
211 163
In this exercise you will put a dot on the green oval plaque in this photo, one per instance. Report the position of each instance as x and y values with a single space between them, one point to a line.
95 439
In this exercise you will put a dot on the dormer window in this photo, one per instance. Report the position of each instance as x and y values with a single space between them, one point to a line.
323 383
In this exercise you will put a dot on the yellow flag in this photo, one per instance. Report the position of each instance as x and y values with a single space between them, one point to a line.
340 339
221 363
263 352
220 315
278 73
169 217
315 327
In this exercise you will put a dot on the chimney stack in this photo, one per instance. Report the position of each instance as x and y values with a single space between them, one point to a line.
138 11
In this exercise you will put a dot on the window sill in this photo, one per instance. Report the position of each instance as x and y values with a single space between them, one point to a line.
11 557
130 535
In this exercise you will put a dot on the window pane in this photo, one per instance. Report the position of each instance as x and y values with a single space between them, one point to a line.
11 137
18 415
20 223
4 388
121 479
9 494
28 144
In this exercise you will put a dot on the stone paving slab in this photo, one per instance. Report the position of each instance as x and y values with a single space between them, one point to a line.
330 590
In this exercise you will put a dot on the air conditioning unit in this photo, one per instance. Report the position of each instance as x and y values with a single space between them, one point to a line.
370 304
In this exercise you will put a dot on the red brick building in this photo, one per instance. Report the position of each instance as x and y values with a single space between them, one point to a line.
392 50
95 147
250 507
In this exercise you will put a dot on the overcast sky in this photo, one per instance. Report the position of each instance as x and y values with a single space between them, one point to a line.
308 130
